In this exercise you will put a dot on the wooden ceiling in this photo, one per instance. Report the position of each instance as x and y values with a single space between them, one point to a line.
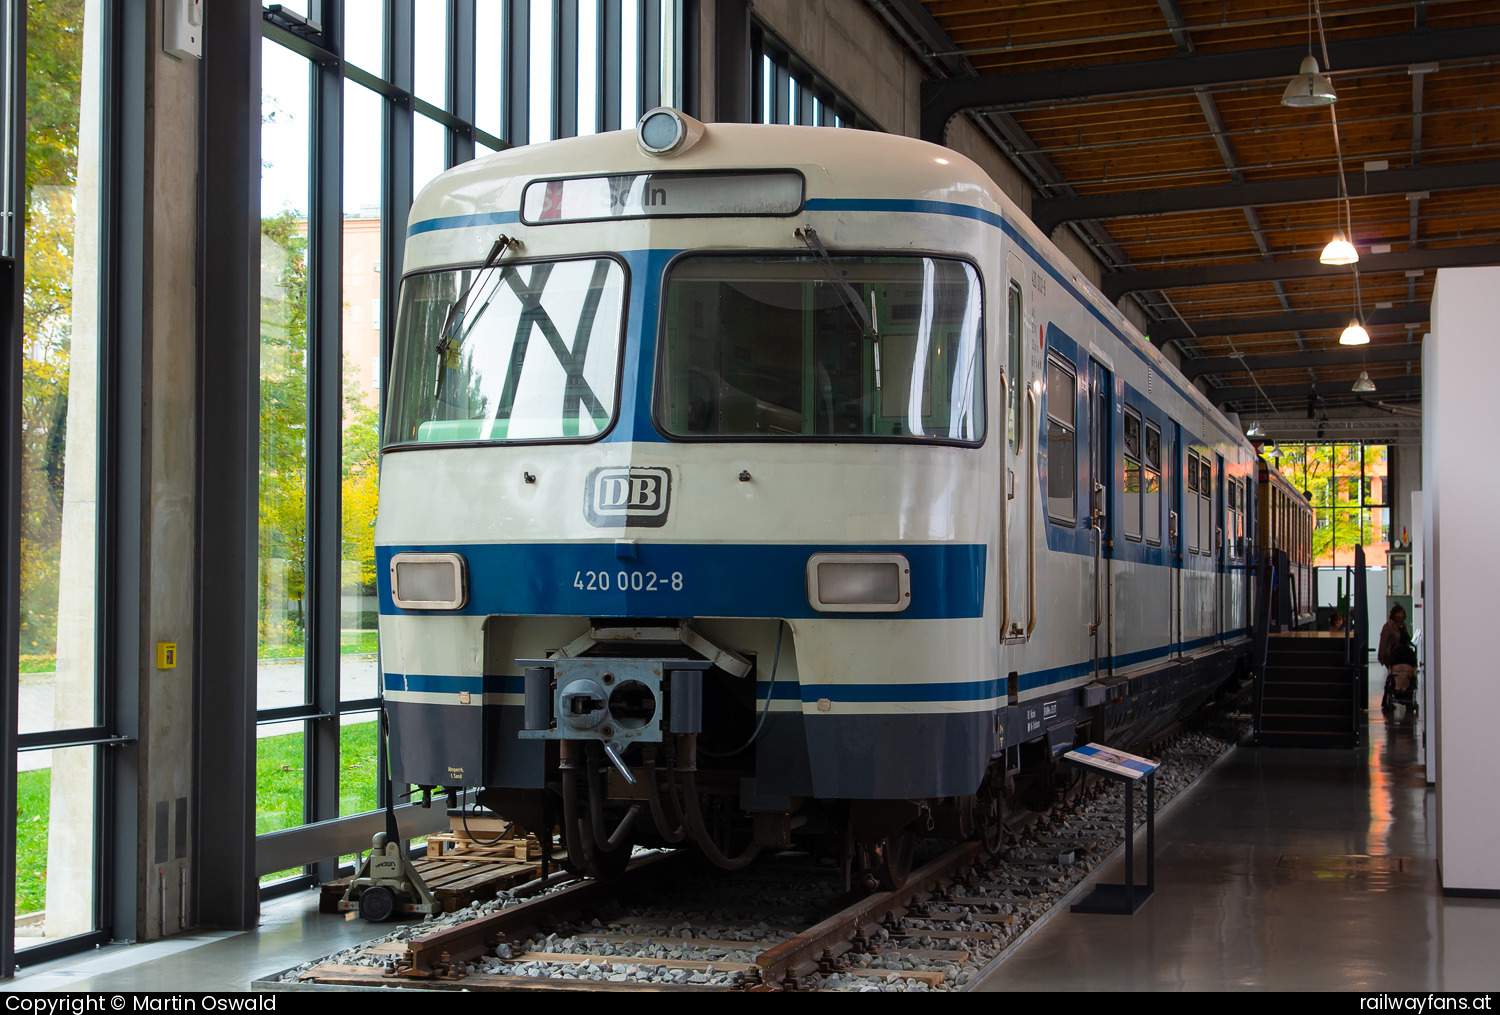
1155 129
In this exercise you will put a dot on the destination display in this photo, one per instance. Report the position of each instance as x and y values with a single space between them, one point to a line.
661 195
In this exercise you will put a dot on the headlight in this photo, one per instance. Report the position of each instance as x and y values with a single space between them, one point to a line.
858 582
429 581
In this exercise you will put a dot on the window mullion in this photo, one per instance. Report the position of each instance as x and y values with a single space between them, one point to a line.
324 440
461 80
565 68
611 47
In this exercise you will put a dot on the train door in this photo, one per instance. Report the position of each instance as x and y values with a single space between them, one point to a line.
1221 547
1101 498
1019 495
1172 476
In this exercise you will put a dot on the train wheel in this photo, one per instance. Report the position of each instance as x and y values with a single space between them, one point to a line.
991 832
896 852
989 813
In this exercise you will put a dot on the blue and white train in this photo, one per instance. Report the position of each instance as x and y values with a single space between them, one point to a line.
741 482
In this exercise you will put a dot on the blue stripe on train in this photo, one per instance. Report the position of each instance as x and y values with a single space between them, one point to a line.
688 579
787 690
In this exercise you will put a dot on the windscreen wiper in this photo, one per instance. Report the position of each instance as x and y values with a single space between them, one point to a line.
449 338
847 293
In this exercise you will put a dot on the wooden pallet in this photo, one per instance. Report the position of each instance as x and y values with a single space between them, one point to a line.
455 879
457 845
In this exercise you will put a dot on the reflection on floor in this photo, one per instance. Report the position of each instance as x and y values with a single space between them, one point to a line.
1287 869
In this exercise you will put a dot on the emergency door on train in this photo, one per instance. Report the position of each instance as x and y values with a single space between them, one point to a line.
1223 535
1101 499
1019 474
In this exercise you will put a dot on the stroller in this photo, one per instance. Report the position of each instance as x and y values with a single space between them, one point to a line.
1401 679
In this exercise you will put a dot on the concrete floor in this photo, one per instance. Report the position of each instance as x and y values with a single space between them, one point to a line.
1262 883
1256 889
291 932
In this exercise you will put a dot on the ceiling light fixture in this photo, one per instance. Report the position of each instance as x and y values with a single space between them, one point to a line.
1309 89
1339 251
1364 385
1255 430
1355 334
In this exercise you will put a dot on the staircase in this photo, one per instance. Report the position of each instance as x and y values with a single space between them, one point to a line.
1307 693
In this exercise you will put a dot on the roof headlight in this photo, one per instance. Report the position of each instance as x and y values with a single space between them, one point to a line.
667 131
858 582
429 581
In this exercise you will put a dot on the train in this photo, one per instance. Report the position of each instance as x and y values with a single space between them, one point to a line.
1285 523
748 485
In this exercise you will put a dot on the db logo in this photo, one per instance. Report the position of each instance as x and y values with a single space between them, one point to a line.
614 497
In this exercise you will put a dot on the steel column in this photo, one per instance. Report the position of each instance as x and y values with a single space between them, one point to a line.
325 387
565 68
223 881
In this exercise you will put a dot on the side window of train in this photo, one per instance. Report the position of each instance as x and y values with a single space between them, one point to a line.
1152 495
1205 506
1133 484
1062 442
1239 519
1190 502
1016 374
1234 518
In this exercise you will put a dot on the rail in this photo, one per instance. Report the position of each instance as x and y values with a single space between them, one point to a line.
435 955
822 946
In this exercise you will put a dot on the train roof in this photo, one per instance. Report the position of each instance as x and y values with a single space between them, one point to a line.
1270 473
834 161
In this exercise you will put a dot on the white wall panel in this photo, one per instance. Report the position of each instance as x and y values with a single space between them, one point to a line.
1461 417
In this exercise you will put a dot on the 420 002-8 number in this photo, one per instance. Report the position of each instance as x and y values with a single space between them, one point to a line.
627 581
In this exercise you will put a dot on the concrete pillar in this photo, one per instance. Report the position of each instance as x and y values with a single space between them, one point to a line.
170 333
70 874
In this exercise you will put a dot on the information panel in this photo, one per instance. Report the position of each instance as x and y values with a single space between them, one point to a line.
1108 759
661 195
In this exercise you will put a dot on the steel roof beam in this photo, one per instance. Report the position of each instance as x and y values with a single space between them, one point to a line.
1049 213
1176 331
1120 283
1325 389
1296 360
945 98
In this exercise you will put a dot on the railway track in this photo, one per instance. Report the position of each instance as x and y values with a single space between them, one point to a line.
781 925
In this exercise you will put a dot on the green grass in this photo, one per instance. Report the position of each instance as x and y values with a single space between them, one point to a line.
278 783
359 642
33 800
278 780
278 801
357 775
351 643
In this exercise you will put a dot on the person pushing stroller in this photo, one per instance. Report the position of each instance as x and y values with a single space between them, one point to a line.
1399 657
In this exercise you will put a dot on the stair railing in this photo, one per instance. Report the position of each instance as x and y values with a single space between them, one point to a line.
1266 574
1359 635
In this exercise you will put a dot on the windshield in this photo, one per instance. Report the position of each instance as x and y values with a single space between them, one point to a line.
798 346
530 352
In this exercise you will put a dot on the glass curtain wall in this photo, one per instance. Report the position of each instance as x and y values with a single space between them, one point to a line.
363 103
788 91
1347 485
60 703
